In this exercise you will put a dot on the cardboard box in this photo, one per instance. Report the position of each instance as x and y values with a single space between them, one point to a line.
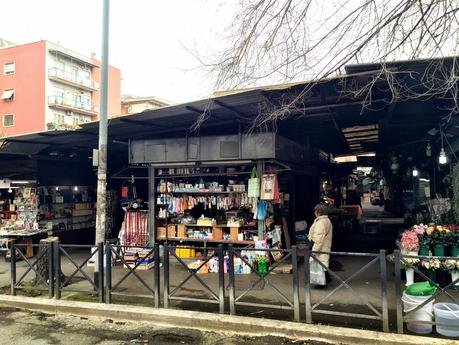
217 233
233 234
171 230
161 232
181 231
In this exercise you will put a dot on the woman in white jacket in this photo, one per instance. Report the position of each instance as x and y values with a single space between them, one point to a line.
321 234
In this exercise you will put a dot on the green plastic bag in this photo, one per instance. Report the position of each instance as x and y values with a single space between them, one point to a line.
254 185
421 289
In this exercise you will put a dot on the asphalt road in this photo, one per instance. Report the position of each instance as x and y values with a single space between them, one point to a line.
24 328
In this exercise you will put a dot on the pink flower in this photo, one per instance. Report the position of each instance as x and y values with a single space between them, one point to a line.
410 240
419 229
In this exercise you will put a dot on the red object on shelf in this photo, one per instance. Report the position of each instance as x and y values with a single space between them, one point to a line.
7 214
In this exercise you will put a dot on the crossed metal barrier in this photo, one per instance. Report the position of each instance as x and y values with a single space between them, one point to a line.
403 318
42 282
113 251
382 314
105 285
235 300
214 297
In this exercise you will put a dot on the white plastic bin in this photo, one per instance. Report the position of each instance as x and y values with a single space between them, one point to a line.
423 314
447 313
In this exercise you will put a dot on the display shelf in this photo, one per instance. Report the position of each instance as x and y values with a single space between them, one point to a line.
164 176
204 193
186 239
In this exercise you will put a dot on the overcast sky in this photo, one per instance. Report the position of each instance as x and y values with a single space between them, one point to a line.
147 38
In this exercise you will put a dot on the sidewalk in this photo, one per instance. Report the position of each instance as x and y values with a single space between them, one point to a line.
235 325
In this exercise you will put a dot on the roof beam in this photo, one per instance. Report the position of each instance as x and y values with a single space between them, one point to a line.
361 134
362 138
142 123
359 128
202 112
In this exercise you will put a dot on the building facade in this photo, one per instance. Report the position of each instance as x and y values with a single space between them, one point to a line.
44 86
133 104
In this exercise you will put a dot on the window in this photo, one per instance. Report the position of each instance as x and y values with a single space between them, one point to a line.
84 119
8 95
9 68
76 121
59 119
60 65
8 120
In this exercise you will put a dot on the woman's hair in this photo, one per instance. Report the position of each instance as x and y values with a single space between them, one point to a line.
320 209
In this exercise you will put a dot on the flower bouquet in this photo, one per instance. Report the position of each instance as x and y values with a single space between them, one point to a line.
452 266
409 243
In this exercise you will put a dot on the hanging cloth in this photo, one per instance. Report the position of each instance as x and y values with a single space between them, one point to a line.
270 188
254 185
262 210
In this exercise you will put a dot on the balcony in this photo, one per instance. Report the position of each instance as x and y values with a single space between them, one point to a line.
68 78
63 103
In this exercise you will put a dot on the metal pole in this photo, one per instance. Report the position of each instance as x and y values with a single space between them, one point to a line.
157 275
49 250
102 154
100 284
13 269
398 292
232 288
108 272
296 287
221 279
307 285
166 276
57 268
384 303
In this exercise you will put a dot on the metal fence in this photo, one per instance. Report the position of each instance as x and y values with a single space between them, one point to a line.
240 293
380 312
115 253
404 317
287 302
41 265
215 297
78 264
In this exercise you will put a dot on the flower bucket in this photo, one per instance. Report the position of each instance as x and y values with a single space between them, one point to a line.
409 276
422 314
424 250
439 250
447 314
455 251
454 276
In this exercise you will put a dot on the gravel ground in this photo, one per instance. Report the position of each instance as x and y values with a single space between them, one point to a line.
24 328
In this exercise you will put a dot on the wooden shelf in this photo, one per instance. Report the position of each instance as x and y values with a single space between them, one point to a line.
204 193
186 239
165 176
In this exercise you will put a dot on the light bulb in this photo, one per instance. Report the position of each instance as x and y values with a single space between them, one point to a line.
415 172
57 189
428 150
10 190
75 188
442 159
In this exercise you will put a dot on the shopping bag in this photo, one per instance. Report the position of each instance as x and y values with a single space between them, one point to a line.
254 185
316 273
269 188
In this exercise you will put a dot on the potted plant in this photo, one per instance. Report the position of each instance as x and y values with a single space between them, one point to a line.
452 266
438 241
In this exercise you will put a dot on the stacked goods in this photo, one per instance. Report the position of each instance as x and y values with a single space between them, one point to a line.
130 256
185 252
146 259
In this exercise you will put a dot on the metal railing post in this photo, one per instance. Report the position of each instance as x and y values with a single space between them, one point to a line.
232 282
13 269
221 280
100 263
49 249
307 285
157 273
108 272
57 269
296 287
166 276
384 304
398 292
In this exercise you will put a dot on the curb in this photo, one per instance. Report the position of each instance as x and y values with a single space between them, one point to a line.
217 322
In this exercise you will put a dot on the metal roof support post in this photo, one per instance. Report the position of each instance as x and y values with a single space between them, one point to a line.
102 166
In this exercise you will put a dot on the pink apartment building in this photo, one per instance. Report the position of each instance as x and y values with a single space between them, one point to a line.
44 86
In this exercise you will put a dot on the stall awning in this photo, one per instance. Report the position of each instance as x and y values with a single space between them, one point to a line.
7 94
